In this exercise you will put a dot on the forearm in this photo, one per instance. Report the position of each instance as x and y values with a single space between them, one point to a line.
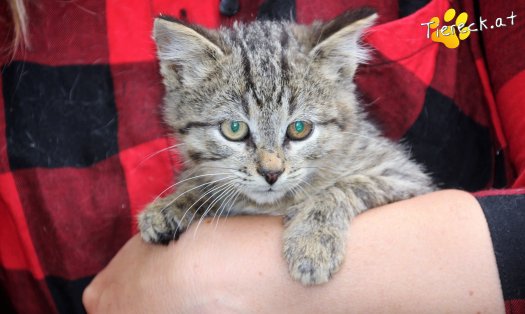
431 253
427 254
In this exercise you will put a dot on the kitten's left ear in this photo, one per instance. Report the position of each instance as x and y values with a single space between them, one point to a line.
338 49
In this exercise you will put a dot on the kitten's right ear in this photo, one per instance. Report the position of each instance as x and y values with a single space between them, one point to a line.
186 53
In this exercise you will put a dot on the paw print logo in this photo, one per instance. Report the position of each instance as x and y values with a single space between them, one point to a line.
449 35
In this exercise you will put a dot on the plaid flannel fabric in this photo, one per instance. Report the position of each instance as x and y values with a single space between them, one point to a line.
82 147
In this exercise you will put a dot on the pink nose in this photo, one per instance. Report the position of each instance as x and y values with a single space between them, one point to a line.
270 176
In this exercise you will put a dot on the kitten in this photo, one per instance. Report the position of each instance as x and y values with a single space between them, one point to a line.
270 124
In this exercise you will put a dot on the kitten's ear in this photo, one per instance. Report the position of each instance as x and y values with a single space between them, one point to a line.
337 43
186 53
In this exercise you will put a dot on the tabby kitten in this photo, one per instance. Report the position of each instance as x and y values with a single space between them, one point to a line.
270 124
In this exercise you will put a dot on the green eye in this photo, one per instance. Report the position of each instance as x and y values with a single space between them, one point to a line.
234 130
299 130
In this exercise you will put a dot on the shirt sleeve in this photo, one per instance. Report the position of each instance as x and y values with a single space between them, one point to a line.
505 214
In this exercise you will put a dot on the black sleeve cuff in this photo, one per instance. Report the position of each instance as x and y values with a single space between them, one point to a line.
505 216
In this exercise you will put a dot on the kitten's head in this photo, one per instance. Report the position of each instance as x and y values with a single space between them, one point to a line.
269 103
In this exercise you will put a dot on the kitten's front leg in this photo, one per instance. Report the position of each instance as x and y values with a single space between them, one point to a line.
314 238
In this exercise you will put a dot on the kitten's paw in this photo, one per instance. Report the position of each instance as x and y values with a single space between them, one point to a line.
158 224
313 259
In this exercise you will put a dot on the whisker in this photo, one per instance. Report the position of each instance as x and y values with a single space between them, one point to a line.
229 209
230 189
148 157
202 196
230 197
217 167
304 181
219 212
224 193
302 189
187 179
187 191
294 192
220 189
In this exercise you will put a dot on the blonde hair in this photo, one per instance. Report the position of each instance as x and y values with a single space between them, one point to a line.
19 18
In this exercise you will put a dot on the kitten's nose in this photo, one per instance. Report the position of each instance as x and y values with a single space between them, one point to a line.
270 164
270 176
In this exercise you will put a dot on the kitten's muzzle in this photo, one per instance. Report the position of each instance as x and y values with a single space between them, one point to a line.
270 164
270 176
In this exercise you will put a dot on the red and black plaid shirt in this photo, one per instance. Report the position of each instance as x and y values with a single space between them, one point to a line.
80 127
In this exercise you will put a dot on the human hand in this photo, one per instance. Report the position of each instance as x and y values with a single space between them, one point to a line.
137 280
208 270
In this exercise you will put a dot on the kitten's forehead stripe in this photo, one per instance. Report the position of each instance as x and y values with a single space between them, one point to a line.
265 64
245 107
284 62
248 75
285 37
291 104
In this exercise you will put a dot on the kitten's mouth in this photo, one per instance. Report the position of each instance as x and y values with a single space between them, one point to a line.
272 189
266 196
269 191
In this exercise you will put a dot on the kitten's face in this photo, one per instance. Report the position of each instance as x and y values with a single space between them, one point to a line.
260 103
266 128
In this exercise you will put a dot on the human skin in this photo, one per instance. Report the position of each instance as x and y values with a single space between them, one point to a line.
429 254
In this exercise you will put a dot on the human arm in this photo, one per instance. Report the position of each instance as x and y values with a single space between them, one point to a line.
428 253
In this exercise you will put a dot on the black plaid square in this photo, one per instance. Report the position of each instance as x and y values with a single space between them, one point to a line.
59 116
455 149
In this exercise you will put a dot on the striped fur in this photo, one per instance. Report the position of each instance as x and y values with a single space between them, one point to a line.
269 75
